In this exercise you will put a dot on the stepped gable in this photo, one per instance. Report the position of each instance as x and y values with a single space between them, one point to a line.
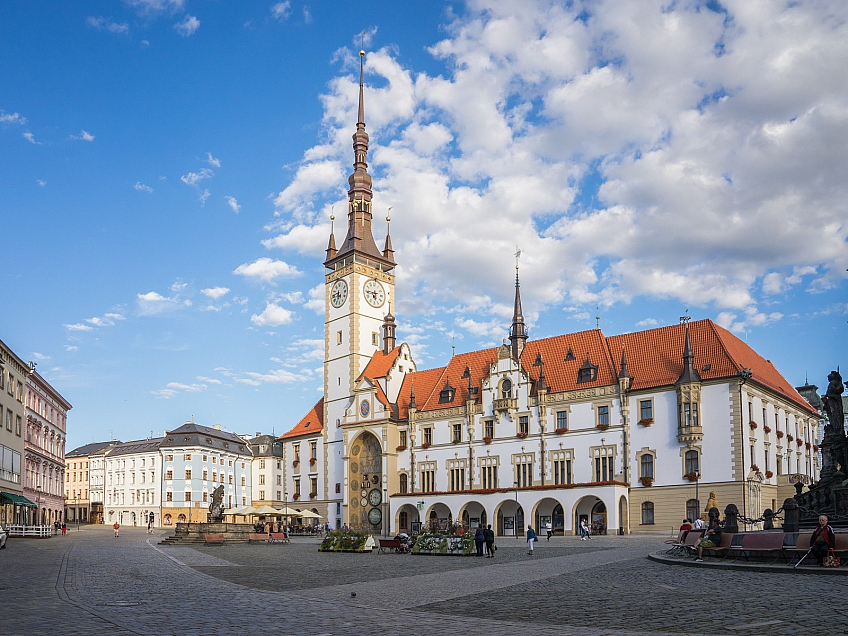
380 364
312 422
561 374
655 357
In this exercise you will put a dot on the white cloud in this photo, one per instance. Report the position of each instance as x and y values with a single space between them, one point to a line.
40 356
648 322
212 161
193 178
83 136
71 348
141 187
215 292
307 16
107 24
203 196
278 376
188 26
153 303
12 118
79 327
272 316
281 10
266 269
147 7
30 138
206 380
310 180
41 182
234 205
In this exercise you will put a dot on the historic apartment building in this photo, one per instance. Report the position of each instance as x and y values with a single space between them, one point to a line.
267 470
133 478
631 432
44 450
84 479
196 460
14 506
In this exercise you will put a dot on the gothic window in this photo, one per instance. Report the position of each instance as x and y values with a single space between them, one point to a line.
506 388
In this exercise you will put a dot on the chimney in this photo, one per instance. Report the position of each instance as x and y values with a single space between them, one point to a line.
257 434
217 427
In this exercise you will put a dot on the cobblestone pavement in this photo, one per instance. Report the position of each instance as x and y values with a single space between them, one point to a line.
91 583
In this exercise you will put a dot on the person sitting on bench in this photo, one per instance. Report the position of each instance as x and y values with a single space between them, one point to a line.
822 539
712 537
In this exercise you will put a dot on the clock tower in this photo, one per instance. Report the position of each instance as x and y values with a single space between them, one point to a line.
359 287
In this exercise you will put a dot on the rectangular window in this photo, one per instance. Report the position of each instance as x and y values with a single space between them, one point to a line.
169 496
188 473
261 463
169 458
695 414
188 495
188 457
562 420
646 466
647 513
279 482
18 425
261 494
523 424
603 416
767 461
457 434
428 435
313 487
750 411
374 339
403 439
646 410
296 449
169 474
205 496
261 482
205 475
231 479
457 479
764 416
338 337
687 414
753 455
297 487
489 427
279 493
242 480
313 450
490 476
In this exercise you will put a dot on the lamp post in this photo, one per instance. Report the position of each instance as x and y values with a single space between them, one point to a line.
385 513
37 505
77 497
515 521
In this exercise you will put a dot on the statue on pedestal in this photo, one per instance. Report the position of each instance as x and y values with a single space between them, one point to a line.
216 507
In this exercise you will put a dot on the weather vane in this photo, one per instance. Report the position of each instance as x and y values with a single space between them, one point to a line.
517 256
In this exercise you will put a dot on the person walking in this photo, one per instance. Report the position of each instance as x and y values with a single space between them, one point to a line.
584 530
64 529
116 527
149 527
489 534
549 529
479 540
531 539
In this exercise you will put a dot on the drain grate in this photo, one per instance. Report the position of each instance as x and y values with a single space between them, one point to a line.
122 603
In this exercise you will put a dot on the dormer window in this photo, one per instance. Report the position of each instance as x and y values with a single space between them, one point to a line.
569 356
447 393
588 372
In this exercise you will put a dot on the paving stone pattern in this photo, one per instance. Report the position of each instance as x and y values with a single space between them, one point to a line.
92 583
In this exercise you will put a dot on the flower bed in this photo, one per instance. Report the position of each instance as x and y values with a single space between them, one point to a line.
445 544
339 541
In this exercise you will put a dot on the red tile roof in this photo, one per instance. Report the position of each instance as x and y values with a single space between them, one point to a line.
312 422
380 364
655 357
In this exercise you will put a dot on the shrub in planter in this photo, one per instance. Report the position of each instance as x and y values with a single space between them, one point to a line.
691 476
447 544
602 427
487 440
338 541
769 474
646 481
522 435
425 445
560 431
646 421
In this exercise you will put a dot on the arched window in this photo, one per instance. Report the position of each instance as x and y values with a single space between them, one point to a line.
693 466
647 513
404 483
646 466
693 509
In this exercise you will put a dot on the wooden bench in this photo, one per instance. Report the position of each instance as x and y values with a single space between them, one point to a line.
690 542
802 546
724 546
258 537
391 544
214 538
760 542
279 537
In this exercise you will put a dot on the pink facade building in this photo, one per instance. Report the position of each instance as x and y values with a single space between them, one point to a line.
44 450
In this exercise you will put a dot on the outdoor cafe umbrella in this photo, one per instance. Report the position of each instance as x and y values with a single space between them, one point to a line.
268 511
243 512
306 514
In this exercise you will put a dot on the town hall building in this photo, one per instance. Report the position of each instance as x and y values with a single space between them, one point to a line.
632 432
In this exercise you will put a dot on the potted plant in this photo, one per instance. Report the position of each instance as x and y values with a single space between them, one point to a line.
312 461
295 463
425 445
767 428
692 476
602 427
808 445
779 435
753 425
522 434
560 431
487 440
646 421
400 448
646 481
799 441
790 438
769 474
295 496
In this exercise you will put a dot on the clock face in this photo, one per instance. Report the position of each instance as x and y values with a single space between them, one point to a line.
338 294
364 493
364 408
374 497
363 502
375 295
375 516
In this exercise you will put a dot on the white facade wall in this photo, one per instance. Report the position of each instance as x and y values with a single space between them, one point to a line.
132 488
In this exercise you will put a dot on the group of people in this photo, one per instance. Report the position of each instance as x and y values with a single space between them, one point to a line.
60 525
484 539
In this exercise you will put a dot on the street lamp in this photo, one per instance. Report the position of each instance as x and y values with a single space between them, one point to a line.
515 521
77 498
385 512
37 505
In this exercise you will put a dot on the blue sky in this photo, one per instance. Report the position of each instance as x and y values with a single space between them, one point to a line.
170 166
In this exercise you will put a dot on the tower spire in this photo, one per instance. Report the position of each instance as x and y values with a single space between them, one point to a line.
518 332
359 238
690 373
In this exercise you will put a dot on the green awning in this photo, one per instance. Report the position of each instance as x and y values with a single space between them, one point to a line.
18 500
